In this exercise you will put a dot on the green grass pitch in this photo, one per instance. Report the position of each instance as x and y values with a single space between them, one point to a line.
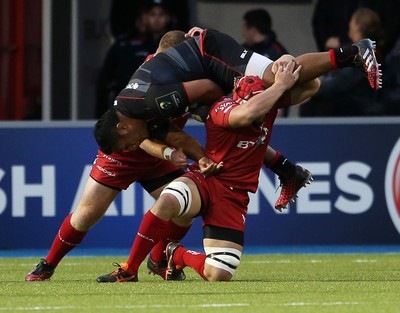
263 283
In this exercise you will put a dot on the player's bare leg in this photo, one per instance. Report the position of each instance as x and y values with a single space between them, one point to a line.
361 54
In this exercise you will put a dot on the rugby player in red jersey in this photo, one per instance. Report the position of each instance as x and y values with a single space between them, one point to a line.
238 133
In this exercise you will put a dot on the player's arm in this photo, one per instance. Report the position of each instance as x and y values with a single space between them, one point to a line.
257 106
302 92
177 138
162 151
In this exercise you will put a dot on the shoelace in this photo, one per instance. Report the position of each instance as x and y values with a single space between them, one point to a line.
118 271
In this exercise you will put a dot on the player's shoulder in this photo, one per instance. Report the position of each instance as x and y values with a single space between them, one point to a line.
223 104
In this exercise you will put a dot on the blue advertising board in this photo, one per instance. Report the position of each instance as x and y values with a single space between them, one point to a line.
354 198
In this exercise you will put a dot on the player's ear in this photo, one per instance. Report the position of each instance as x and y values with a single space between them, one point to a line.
122 128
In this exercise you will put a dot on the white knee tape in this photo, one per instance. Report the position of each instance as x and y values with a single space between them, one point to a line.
182 193
257 65
227 259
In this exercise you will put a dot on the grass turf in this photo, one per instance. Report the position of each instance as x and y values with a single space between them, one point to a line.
263 283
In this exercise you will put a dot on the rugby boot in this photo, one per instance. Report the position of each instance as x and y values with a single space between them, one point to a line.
367 60
291 186
160 269
171 267
42 271
120 275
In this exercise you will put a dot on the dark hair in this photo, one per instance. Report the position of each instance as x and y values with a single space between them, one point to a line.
105 131
149 4
260 19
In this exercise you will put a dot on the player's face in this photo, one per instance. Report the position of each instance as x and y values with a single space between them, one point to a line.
132 136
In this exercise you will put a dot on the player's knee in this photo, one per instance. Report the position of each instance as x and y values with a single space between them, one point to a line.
213 274
177 195
84 218
166 207
221 263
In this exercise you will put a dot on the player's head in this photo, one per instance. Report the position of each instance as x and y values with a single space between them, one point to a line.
246 87
114 135
171 38
105 131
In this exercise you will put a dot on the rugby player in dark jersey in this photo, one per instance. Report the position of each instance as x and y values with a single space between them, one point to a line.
201 70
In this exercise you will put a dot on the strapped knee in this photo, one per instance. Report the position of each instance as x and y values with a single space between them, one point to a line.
227 259
182 193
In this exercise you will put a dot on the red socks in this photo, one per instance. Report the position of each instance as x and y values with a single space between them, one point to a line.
174 233
66 239
193 259
151 231
271 163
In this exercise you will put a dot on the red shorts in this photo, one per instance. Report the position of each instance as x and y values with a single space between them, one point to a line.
119 170
224 206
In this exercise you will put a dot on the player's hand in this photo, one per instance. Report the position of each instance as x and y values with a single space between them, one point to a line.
209 167
283 60
192 32
287 75
179 159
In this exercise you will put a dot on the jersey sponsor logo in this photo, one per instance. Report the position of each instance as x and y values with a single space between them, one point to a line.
225 106
244 53
111 159
132 86
245 144
102 169
169 102
392 185
165 105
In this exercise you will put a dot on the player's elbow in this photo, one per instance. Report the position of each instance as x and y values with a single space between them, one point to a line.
316 84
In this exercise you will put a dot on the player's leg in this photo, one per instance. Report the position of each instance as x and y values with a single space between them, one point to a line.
218 263
223 234
181 199
95 201
176 230
360 54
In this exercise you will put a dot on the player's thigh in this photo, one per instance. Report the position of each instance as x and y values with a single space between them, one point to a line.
217 243
95 200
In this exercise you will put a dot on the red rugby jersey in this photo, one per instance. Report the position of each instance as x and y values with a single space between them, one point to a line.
241 149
